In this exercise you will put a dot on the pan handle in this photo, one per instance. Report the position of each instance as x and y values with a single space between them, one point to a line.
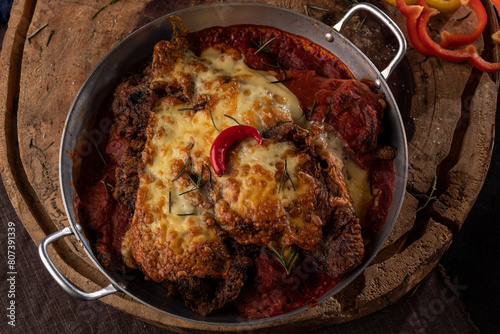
386 20
71 289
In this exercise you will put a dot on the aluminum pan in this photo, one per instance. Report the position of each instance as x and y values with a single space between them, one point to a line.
103 79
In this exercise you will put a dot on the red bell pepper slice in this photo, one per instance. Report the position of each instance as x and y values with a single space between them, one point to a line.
226 139
452 40
468 53
412 13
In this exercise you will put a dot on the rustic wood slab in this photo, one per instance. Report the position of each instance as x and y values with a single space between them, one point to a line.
448 110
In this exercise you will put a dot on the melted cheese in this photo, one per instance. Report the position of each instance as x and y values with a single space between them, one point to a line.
175 218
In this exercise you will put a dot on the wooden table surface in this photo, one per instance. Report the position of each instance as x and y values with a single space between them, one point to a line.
448 110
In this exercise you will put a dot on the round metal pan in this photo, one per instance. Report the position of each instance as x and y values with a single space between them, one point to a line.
103 79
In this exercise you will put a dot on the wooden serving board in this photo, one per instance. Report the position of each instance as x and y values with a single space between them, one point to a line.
448 111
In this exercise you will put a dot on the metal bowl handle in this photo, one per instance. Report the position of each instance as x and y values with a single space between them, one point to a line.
388 22
71 289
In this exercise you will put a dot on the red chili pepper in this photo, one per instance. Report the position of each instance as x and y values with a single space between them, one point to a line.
449 39
468 53
227 138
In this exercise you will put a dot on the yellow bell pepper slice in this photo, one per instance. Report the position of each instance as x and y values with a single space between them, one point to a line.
444 6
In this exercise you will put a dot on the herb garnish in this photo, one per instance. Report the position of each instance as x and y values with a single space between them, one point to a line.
183 169
362 23
36 32
263 47
209 171
312 109
283 180
308 9
463 18
298 119
100 154
185 214
100 9
341 112
284 80
326 114
438 63
196 184
349 4
215 126
50 36
106 185
287 257
429 197
169 202
232 119
193 108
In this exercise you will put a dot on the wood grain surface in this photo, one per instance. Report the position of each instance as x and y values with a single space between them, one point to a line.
448 110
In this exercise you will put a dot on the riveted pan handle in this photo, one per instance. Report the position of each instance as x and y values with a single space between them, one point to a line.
63 282
384 19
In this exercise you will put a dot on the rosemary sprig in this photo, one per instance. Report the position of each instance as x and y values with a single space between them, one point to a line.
429 197
193 108
50 36
264 47
36 32
185 214
326 114
212 118
183 169
312 108
232 119
100 154
102 8
287 257
196 184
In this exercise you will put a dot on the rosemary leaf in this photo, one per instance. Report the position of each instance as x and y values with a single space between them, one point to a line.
270 65
291 181
50 36
232 119
36 32
169 202
463 18
105 188
263 46
200 177
193 108
287 257
298 119
100 155
312 109
284 80
282 178
326 114
183 169
190 190
341 112
215 126
362 23
210 172
185 214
